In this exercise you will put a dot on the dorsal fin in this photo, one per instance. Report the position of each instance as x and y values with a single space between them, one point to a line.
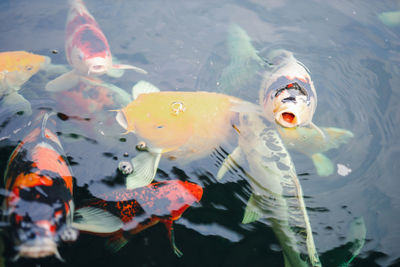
143 87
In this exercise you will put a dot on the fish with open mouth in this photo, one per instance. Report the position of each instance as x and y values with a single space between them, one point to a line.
287 96
126 212
39 205
87 51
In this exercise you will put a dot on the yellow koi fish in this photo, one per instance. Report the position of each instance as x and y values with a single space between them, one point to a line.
16 68
185 125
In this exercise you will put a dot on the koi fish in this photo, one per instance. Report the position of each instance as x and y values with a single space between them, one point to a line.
16 68
276 191
310 142
135 210
39 206
87 51
185 125
287 95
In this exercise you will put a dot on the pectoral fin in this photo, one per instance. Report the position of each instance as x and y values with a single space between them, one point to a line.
323 164
251 212
144 169
64 82
96 220
235 158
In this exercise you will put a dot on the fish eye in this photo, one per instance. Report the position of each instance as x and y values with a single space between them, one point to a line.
28 67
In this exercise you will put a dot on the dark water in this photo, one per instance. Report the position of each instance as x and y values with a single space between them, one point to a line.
354 61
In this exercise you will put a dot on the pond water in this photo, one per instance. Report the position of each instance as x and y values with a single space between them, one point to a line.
354 60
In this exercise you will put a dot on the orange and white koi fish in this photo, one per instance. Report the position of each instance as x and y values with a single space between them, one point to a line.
184 125
135 210
87 50
39 206
16 68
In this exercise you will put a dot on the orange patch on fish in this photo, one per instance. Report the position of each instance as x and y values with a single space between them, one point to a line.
56 163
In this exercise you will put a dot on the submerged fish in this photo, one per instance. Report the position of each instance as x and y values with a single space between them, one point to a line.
310 142
135 210
287 95
39 207
276 191
16 68
184 125
87 50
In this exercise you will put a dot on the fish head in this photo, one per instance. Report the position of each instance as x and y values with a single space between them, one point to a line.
18 66
289 96
88 51
176 196
37 225
157 118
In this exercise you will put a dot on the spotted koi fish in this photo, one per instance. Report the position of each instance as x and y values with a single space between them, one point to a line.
87 50
276 190
132 211
39 206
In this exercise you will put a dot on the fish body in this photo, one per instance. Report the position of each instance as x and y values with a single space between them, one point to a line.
39 206
137 209
16 68
87 50
178 125
276 191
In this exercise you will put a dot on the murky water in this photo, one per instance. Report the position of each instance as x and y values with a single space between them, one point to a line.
354 61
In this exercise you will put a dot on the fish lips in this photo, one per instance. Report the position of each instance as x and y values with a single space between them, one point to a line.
39 247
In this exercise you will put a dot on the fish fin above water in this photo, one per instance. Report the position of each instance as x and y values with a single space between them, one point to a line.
96 220
233 159
143 87
116 242
144 169
64 82
251 212
323 164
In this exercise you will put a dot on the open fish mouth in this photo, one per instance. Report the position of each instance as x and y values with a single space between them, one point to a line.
38 248
287 119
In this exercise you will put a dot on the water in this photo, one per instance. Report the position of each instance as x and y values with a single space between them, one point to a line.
354 62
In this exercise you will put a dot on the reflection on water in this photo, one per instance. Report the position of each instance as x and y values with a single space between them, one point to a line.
354 62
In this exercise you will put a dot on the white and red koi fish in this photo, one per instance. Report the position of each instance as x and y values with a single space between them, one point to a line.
87 50
39 206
